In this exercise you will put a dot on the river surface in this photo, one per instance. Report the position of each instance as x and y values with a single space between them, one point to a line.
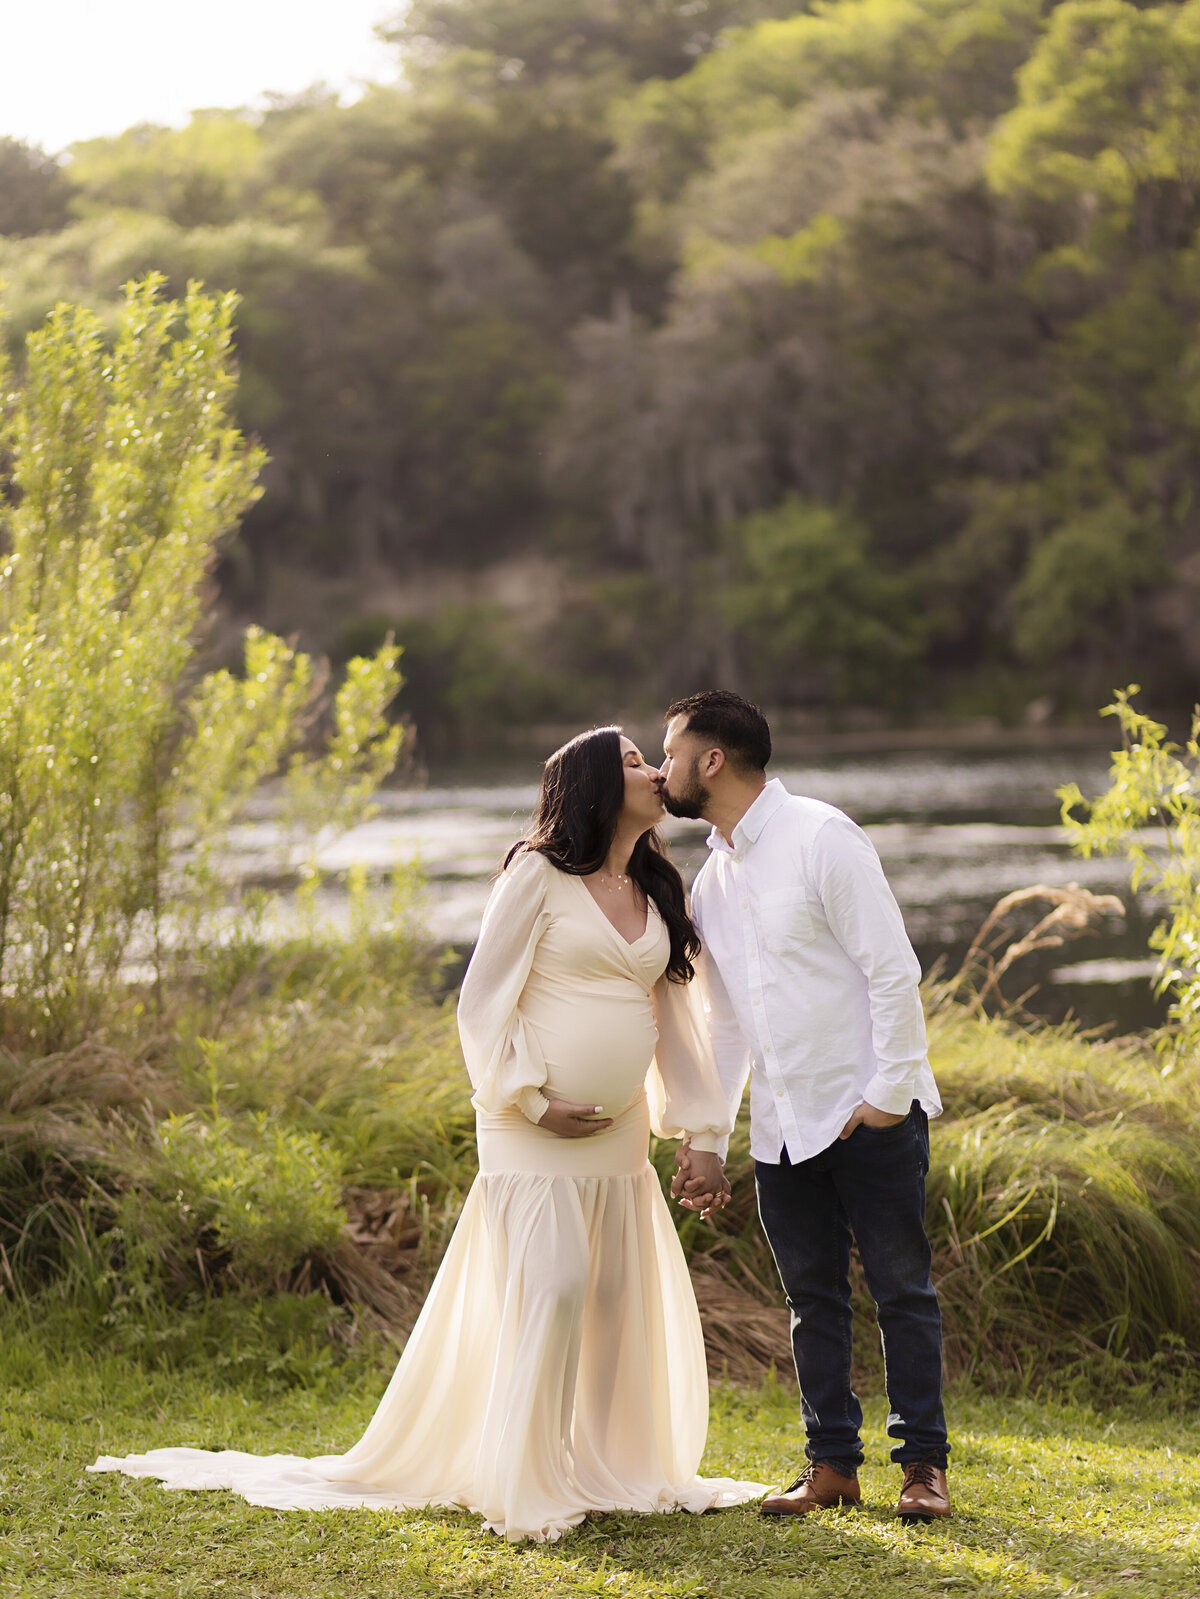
954 832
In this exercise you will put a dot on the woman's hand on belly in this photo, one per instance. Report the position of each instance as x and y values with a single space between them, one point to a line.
569 1120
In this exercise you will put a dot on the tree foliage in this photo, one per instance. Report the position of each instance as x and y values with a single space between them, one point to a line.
1107 123
811 596
539 40
601 283
200 175
34 190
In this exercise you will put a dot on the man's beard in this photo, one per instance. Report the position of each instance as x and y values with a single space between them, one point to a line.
689 803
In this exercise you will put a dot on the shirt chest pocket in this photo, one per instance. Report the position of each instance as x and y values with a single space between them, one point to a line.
787 919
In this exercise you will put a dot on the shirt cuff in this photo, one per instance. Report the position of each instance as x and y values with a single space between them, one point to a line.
895 1099
709 1144
532 1104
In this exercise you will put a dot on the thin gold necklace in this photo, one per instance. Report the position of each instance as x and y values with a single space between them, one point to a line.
621 877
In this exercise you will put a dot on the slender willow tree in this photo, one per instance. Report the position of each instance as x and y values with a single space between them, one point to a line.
120 764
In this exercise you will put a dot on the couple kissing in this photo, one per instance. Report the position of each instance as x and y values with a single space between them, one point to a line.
557 1367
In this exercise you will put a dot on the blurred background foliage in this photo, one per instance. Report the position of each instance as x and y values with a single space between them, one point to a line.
869 329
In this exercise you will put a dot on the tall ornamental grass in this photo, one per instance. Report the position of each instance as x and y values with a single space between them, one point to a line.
301 1138
1064 1202
1064 1213
313 1137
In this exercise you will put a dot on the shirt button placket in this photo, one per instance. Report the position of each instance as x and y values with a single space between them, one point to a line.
754 984
762 1029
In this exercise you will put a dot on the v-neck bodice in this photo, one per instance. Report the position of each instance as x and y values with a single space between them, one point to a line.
579 947
557 1004
588 997
630 943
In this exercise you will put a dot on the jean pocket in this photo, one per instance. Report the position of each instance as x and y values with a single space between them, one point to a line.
894 1131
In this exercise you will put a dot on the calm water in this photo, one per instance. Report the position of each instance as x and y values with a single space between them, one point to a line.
955 832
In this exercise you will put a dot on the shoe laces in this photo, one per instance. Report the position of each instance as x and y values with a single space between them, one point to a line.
805 1476
810 1471
920 1471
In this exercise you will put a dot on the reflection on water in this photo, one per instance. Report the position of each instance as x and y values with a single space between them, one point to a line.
954 832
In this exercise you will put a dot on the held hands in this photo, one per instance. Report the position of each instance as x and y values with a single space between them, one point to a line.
569 1120
700 1182
867 1116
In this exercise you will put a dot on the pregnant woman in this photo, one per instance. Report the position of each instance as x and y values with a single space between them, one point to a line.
557 1367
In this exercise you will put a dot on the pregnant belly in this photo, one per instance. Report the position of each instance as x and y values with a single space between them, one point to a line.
596 1055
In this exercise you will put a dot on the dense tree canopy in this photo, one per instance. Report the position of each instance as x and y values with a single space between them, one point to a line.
852 354
34 190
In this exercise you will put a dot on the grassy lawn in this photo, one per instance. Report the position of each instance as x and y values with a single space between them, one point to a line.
1051 1499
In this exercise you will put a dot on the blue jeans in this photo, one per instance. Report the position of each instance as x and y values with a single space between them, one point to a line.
872 1186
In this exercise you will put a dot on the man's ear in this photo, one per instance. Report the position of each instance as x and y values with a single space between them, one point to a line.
714 762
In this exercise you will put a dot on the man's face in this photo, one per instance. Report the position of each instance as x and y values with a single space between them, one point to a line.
684 792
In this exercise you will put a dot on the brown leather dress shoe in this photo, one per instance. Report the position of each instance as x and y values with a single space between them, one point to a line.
924 1493
818 1487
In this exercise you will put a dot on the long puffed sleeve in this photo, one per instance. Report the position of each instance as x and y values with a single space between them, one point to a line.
682 1087
503 1058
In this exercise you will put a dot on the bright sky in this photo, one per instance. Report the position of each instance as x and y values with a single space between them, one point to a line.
75 69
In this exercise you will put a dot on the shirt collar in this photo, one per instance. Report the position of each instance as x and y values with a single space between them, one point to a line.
756 818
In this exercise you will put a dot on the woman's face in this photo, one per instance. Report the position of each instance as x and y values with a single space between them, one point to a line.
643 797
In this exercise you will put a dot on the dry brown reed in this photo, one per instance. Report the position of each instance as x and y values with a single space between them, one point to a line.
1073 912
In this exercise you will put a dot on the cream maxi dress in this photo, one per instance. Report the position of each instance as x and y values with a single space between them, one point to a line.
557 1366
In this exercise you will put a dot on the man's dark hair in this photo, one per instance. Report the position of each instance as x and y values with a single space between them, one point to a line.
734 725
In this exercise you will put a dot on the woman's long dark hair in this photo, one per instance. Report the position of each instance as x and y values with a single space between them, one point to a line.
583 790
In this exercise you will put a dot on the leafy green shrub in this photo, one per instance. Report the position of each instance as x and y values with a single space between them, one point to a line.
269 1195
382 1082
129 1205
1151 814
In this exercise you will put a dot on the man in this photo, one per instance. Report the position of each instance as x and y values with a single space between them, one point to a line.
811 988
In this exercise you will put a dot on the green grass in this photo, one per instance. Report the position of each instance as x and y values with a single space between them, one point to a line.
1051 1498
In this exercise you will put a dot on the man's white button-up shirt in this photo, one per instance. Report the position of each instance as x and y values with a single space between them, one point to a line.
810 980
